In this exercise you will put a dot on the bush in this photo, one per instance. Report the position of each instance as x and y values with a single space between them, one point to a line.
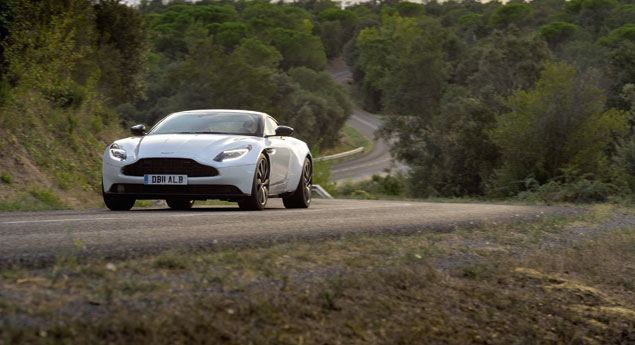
5 177
377 187
559 125
47 197
580 190
322 175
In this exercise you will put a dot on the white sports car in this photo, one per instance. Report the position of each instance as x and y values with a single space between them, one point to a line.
234 155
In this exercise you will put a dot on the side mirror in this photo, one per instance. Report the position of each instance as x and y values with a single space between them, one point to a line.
284 131
138 130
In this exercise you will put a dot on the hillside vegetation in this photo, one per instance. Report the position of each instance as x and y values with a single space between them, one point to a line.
524 99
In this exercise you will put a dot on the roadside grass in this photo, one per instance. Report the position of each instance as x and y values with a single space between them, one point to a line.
35 199
350 139
5 177
559 279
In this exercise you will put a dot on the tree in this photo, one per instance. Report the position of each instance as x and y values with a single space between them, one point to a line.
210 78
559 125
298 49
403 65
324 101
257 53
556 33
623 33
57 59
452 155
336 27
591 14
6 17
263 16
230 34
123 48
499 65
512 13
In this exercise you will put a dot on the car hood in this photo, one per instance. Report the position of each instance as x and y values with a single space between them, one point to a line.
202 146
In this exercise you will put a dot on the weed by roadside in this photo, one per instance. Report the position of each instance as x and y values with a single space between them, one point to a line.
5 177
36 199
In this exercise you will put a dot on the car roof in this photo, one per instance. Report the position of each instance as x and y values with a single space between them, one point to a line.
222 111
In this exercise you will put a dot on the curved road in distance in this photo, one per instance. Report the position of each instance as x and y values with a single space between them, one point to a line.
35 238
378 160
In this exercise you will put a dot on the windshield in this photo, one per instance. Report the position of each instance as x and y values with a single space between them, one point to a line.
210 123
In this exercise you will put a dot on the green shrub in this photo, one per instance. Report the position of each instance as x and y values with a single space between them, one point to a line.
559 125
580 190
47 197
35 200
67 95
378 186
5 177
322 172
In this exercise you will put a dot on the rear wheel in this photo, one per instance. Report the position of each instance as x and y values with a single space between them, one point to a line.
180 204
260 188
301 198
118 203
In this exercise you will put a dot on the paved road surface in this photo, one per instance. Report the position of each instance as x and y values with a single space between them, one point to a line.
378 159
35 237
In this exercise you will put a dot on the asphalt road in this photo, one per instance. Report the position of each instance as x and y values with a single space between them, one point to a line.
40 237
378 159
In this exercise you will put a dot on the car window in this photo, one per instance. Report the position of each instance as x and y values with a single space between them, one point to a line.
270 126
210 123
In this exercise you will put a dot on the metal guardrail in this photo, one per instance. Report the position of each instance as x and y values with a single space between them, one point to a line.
340 155
321 192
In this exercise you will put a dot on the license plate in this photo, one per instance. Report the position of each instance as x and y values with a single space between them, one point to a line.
165 179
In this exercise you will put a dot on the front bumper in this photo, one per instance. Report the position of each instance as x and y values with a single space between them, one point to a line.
231 182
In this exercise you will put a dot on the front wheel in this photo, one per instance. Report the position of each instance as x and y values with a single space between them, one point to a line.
260 188
118 203
180 204
301 198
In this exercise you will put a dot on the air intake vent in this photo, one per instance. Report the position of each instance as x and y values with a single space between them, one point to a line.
172 166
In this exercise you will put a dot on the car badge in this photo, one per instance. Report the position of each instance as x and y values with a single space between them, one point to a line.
166 152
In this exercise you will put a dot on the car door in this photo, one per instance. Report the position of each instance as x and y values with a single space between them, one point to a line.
279 156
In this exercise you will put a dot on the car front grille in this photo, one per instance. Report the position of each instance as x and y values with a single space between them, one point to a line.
169 166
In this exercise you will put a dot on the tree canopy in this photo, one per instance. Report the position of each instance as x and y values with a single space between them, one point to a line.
481 97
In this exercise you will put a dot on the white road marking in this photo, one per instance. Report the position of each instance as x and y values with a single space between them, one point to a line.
57 220
311 210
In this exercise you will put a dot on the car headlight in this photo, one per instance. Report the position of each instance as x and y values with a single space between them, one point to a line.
232 154
117 153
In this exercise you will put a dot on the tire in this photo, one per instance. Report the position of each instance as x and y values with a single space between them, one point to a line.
301 197
179 204
259 189
118 203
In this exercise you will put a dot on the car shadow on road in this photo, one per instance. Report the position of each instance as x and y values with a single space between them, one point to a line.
203 209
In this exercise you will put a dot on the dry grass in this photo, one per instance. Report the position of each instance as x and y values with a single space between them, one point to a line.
528 283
